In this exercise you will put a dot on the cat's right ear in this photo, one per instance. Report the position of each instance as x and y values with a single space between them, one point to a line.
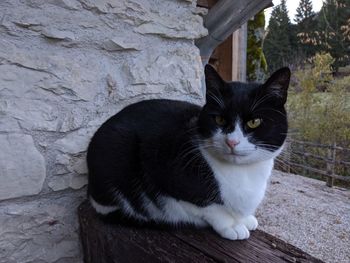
277 85
213 81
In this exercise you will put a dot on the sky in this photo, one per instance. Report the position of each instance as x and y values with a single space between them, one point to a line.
292 6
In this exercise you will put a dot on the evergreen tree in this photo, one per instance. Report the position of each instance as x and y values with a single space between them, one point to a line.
304 11
305 29
277 44
333 34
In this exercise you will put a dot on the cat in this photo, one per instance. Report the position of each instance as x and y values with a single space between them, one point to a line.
173 162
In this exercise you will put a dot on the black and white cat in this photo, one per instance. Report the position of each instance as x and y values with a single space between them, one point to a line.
172 162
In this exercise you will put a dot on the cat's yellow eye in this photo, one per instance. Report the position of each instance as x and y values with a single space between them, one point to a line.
255 123
220 120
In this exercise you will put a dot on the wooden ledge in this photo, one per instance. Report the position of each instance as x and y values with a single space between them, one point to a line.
107 243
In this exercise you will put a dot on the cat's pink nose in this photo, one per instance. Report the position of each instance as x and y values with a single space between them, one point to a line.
231 143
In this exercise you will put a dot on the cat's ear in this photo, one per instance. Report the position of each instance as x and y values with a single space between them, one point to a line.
277 85
213 81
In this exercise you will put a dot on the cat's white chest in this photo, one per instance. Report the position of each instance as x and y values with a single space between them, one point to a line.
242 187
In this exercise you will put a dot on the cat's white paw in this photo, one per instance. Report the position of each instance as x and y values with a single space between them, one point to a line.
250 222
235 232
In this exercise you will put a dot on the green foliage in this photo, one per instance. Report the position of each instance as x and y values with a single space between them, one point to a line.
333 31
256 62
322 117
304 11
277 44
326 31
305 28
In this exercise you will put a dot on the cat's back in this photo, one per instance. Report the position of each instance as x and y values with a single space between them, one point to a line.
143 121
131 141
151 115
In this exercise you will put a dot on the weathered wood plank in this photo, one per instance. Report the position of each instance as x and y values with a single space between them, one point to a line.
339 177
319 145
112 243
260 247
206 3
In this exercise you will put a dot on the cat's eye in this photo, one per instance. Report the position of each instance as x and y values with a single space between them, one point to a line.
220 120
254 123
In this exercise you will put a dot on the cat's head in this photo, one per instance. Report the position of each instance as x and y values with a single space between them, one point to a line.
244 123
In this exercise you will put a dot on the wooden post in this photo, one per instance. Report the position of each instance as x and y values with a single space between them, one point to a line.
222 58
331 155
239 53
289 149
230 57
304 172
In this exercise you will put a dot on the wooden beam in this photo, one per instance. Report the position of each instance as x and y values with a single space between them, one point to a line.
239 54
109 243
223 19
206 3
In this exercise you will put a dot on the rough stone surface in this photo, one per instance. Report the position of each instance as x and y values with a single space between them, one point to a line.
41 230
66 66
22 167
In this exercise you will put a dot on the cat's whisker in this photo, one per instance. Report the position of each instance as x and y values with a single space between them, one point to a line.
271 109
216 99
171 162
261 100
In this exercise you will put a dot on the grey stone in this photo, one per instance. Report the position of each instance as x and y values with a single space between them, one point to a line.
44 230
74 119
171 23
66 66
103 6
75 142
57 73
22 167
78 181
70 172
200 11
121 43
61 182
32 115
58 183
69 4
58 34
152 73
7 124
171 29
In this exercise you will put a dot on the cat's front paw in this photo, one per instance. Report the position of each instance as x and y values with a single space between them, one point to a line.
250 222
235 232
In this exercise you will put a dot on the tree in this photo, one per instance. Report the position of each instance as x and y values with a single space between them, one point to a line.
305 28
277 44
333 34
304 11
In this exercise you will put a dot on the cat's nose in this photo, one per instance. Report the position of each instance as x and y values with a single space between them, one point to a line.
231 143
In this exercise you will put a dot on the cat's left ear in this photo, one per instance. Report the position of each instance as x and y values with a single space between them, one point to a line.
277 85
213 81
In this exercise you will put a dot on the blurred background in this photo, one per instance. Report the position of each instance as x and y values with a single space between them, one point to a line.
313 39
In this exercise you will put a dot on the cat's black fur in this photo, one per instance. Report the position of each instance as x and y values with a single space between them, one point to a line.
147 146
151 147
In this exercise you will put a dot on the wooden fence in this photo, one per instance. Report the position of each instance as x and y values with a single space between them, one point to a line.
328 161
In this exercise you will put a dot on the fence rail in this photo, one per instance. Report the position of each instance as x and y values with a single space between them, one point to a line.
301 155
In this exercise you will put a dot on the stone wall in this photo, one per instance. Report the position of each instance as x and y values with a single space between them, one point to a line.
65 67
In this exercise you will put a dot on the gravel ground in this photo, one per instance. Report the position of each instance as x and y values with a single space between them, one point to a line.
309 215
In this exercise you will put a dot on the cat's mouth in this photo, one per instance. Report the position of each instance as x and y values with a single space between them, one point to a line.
237 154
